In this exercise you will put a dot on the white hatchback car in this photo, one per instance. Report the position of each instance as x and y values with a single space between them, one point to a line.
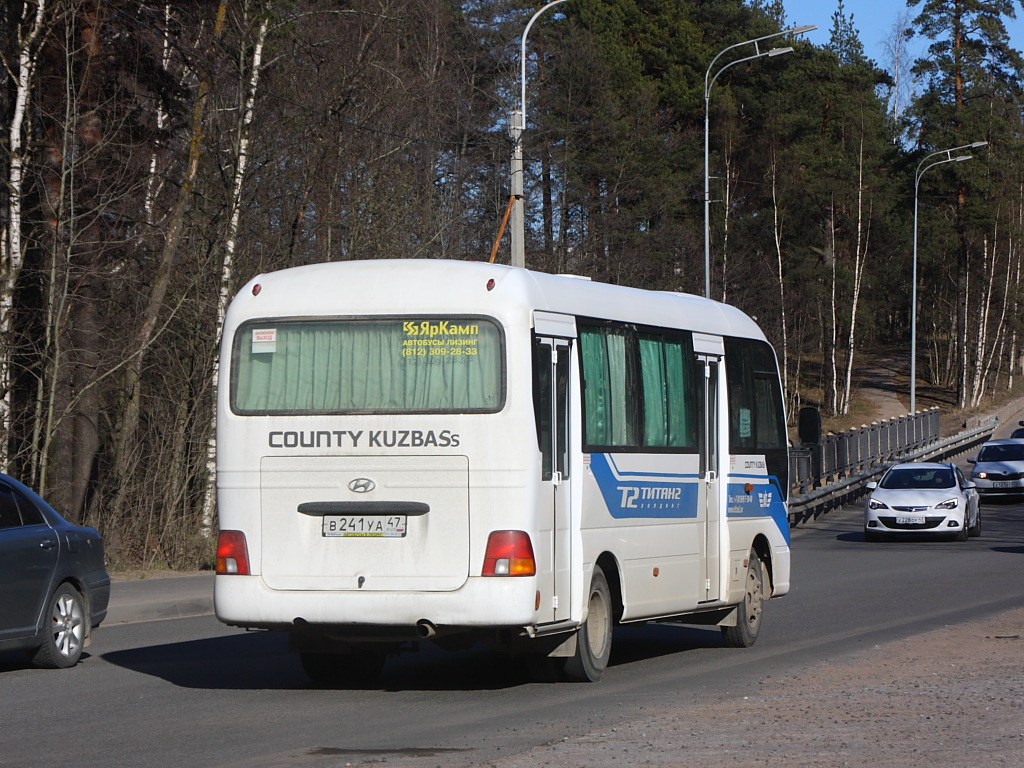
922 498
999 468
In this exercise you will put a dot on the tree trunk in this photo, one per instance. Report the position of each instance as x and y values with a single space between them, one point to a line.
30 35
125 441
777 237
860 251
227 267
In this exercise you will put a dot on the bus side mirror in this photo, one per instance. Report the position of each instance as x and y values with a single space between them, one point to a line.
809 426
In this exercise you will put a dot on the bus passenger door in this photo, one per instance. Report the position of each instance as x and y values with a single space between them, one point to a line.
551 362
710 474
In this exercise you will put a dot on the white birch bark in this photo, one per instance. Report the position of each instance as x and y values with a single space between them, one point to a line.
725 221
860 252
243 140
777 236
30 35
994 354
961 340
833 369
155 183
1013 362
1015 257
988 270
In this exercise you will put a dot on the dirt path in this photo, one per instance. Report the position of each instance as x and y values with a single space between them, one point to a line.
876 385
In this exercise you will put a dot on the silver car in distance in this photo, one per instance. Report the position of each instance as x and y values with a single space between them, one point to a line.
999 468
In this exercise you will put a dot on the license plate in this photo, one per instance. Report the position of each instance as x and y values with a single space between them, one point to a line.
910 521
1005 484
365 526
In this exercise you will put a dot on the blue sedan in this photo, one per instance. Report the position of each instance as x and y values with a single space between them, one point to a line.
54 584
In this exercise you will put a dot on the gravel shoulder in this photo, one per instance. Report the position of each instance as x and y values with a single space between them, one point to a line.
952 698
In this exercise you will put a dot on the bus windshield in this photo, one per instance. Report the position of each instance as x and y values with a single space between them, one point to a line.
381 365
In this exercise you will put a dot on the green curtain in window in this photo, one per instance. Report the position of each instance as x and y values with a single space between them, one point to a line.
667 411
607 387
655 388
594 356
366 366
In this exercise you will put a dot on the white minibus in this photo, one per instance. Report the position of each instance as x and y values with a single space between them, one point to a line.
464 452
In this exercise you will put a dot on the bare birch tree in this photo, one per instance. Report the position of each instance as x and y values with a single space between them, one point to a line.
30 33
243 138
860 251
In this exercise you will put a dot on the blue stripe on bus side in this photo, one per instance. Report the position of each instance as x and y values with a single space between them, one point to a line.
663 496
675 496
763 500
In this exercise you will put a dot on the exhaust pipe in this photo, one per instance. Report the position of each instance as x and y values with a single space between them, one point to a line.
425 629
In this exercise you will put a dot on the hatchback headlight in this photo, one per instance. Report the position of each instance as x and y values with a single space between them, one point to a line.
948 504
876 504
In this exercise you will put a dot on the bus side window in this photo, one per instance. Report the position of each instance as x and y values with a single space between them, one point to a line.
757 422
562 409
542 404
611 404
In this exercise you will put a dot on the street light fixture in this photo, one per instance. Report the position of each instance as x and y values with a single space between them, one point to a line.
709 81
947 157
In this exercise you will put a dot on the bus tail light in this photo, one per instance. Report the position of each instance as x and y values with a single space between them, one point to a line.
509 553
232 554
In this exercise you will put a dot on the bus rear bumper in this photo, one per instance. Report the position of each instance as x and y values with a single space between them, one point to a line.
482 602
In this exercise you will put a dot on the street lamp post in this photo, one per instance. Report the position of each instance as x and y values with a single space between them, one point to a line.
708 82
516 127
947 157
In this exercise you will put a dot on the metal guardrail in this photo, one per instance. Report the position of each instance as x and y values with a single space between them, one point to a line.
834 472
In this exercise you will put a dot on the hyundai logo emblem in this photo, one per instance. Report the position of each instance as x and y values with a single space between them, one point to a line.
361 485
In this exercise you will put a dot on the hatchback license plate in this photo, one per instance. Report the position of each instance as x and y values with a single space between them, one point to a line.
910 521
1005 484
365 526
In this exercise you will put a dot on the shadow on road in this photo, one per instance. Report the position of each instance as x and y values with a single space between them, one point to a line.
261 661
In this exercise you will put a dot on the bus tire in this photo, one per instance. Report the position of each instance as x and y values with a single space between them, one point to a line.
594 638
748 613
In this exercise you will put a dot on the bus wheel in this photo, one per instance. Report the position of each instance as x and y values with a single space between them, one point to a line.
356 669
594 638
748 616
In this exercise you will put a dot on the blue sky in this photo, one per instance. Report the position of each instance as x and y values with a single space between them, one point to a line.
874 19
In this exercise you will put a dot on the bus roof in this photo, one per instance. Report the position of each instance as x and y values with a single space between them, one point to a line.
399 286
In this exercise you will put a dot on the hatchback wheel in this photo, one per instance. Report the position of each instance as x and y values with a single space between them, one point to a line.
975 530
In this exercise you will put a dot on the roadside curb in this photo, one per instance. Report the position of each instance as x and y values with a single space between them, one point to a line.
169 597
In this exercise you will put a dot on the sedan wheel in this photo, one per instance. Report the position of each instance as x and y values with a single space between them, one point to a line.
64 638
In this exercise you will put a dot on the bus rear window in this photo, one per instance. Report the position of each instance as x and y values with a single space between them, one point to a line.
393 365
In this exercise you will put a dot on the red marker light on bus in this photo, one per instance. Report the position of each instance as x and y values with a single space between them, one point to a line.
490 284
232 554
509 553
256 289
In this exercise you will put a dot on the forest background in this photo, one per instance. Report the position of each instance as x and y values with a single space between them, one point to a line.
155 156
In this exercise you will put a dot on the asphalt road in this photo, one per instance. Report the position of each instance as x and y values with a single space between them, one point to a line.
188 691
